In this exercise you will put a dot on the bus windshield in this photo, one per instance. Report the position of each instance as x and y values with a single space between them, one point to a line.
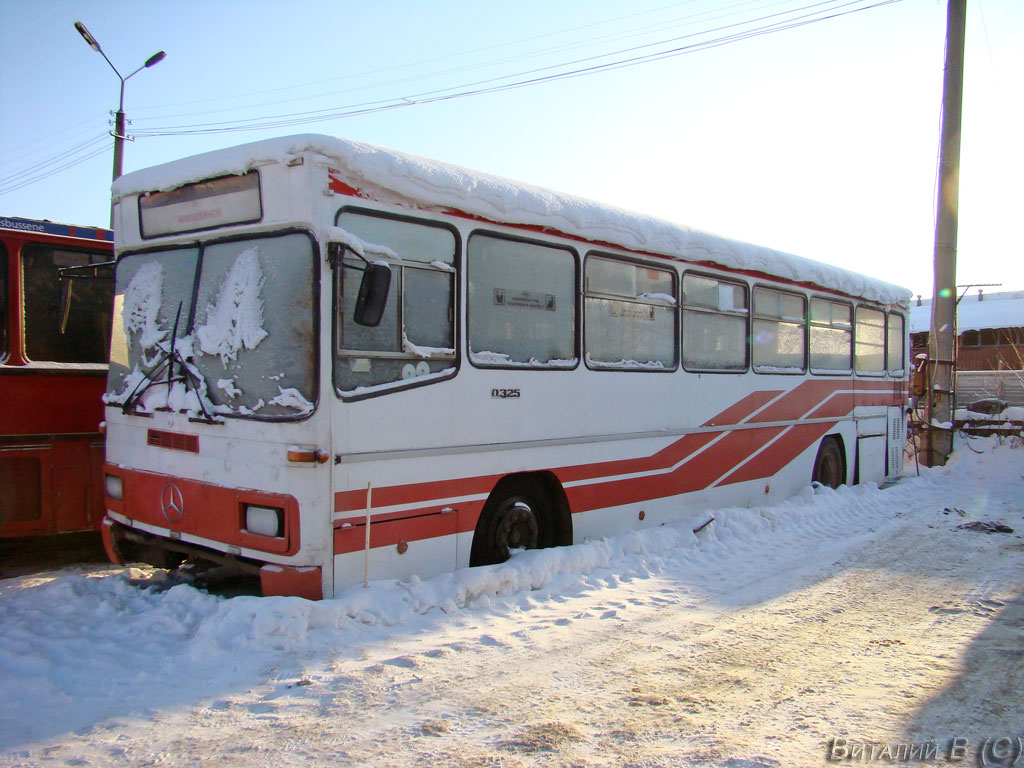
217 329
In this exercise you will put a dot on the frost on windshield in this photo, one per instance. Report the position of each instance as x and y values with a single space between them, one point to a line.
292 398
245 331
141 305
151 350
235 319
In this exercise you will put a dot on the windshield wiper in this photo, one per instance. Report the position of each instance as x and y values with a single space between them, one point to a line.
154 377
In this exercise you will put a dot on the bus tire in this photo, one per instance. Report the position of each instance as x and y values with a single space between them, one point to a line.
522 512
829 466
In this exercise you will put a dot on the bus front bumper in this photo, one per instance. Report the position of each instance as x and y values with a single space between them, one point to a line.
124 544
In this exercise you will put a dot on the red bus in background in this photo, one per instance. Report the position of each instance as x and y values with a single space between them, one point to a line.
55 311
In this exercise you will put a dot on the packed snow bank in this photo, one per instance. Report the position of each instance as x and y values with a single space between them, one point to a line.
103 648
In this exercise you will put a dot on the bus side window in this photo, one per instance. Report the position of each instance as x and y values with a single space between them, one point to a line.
831 336
415 337
87 336
894 343
522 303
715 314
869 341
630 315
779 338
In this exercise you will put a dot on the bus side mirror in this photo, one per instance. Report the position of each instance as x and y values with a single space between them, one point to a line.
103 270
373 295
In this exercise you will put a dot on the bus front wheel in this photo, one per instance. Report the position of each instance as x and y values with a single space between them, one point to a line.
829 467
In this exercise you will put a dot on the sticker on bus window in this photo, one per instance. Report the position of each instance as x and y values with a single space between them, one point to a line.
630 311
524 299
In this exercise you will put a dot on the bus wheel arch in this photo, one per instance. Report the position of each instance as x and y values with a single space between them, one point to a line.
830 463
523 511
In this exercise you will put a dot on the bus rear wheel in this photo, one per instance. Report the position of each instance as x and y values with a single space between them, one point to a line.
829 467
512 519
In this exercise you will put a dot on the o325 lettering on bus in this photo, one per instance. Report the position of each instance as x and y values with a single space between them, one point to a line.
505 394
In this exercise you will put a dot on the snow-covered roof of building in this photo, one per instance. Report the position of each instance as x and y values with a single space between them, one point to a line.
403 179
975 312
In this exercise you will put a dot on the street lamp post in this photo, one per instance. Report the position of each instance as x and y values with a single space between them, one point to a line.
119 127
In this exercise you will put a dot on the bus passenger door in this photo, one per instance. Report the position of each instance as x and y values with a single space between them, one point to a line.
871 445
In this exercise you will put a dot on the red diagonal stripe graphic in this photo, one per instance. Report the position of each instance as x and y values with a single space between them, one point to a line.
779 453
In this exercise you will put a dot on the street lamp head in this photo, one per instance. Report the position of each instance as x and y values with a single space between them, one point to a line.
87 36
119 119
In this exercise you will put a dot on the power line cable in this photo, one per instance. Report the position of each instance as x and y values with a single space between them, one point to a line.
36 167
39 177
536 76
420 62
46 140
719 13
555 66
494 85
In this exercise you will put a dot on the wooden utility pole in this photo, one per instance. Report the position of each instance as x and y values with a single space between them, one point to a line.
942 339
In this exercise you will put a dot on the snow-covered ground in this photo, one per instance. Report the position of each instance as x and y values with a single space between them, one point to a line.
859 615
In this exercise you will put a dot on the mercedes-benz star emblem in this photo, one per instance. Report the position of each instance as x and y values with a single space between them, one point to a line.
171 503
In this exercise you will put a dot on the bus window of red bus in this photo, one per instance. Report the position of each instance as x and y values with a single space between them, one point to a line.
86 338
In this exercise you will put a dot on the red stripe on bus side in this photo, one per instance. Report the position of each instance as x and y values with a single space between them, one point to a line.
835 407
735 414
688 445
336 185
355 500
413 493
695 474
674 453
876 398
796 403
777 455
666 457
417 525
690 476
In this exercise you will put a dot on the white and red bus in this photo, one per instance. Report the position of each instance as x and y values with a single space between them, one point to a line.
53 370
333 362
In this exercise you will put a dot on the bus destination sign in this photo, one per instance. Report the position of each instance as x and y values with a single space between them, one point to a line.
203 205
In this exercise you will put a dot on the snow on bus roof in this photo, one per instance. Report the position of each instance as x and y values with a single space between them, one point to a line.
399 178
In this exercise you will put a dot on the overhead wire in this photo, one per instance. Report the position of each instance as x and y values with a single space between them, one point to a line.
24 179
721 12
44 142
814 12
60 162
389 103
419 62
494 85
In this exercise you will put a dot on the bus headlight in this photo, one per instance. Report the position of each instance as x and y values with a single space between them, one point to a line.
113 486
264 521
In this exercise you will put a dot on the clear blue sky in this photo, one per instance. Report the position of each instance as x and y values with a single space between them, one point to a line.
820 140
